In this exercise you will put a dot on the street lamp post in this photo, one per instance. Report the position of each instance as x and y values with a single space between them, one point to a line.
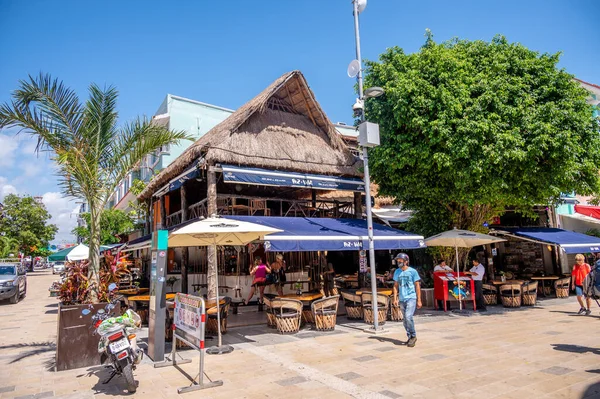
359 6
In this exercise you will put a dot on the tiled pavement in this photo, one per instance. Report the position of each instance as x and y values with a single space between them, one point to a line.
544 352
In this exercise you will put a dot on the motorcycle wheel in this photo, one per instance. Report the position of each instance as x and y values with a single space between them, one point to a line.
128 374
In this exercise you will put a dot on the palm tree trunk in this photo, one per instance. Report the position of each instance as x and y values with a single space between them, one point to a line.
94 265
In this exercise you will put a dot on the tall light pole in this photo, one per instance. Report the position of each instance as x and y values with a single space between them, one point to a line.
359 6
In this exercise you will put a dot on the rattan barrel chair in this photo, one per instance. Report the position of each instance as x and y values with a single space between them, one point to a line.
353 305
490 294
395 313
530 293
268 299
561 286
383 302
511 295
288 315
211 312
325 312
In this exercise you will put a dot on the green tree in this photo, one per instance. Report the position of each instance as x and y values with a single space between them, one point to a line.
470 127
24 222
92 152
113 222
8 246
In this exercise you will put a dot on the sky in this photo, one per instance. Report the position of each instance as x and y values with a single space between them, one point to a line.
225 52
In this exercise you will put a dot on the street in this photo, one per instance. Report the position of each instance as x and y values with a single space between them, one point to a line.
547 351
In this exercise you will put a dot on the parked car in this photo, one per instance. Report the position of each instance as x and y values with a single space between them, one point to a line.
13 282
58 267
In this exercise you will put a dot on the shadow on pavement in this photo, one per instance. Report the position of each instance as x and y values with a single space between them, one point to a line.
51 311
575 349
52 305
116 387
34 348
393 341
592 391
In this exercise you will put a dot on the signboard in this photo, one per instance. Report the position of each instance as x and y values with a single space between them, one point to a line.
188 319
363 261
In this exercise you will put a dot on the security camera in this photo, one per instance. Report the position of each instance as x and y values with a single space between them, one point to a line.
358 107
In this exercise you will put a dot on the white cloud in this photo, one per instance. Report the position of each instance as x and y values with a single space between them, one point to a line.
30 169
64 215
8 146
6 188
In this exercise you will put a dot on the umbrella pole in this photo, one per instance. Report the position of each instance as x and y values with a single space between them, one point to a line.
219 349
458 278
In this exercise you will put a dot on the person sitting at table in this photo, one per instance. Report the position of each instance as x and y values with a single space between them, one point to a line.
441 267
259 271
278 271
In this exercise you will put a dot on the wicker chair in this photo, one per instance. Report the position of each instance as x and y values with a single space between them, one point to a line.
325 312
511 295
288 313
530 293
353 305
211 312
561 286
268 300
395 313
382 307
490 294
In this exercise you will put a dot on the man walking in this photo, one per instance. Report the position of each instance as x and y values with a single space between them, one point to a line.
477 272
407 293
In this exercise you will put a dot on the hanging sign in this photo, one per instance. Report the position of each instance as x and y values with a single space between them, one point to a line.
362 261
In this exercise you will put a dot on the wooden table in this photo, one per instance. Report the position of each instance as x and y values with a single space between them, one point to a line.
133 291
146 297
380 290
306 298
497 283
543 280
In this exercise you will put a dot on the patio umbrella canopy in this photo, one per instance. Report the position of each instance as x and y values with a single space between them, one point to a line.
460 238
217 231
80 252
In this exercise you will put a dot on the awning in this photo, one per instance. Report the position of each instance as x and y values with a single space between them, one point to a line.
588 210
325 234
175 183
264 177
570 241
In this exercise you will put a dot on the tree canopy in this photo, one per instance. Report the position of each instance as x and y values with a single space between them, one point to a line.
471 127
24 225
113 222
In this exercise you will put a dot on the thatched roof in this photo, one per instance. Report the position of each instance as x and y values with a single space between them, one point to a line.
282 128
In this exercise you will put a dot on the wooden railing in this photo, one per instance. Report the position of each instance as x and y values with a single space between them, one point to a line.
244 205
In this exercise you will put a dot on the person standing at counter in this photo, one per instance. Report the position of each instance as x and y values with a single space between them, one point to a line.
477 272
407 293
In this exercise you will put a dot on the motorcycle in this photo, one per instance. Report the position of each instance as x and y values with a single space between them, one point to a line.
118 344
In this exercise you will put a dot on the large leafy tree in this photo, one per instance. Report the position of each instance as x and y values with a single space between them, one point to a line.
24 225
113 222
469 128
92 152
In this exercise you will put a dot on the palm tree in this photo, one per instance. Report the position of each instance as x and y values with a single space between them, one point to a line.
8 246
93 154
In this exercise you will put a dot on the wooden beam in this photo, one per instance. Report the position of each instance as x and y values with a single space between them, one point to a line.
163 213
357 205
307 106
185 253
211 196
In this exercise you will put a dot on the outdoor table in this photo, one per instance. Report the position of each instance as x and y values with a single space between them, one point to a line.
133 291
543 280
306 298
380 290
498 283
144 298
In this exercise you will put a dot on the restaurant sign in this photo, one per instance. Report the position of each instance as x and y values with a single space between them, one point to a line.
264 177
188 318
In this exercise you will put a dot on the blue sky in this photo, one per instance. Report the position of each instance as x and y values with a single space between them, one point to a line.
225 52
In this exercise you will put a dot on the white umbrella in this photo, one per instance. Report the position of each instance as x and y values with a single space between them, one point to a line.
218 231
460 238
80 252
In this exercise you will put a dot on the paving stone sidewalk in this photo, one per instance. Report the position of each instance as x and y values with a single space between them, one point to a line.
547 352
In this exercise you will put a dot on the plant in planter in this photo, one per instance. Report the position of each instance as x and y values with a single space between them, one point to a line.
171 282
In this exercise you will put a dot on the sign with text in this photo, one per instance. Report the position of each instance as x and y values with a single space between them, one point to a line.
363 261
188 318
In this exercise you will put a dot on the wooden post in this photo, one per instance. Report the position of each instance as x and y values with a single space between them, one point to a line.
163 213
185 253
211 199
313 196
357 205
149 216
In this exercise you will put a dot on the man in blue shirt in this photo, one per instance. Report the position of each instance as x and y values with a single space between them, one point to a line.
407 293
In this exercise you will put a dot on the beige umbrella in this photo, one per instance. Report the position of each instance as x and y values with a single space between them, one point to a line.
218 231
460 238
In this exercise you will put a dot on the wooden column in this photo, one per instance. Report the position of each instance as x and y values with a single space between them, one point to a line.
313 196
211 199
163 213
185 253
357 205
148 222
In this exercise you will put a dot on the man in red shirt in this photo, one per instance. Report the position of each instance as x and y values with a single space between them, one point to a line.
580 271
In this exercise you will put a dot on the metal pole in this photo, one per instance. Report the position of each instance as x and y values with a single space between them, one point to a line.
367 179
